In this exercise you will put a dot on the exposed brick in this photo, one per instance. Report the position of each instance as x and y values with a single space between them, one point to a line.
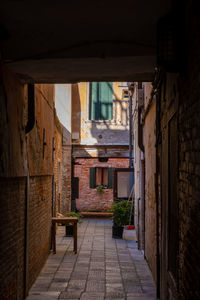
89 199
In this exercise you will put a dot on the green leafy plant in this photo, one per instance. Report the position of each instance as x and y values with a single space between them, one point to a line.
100 189
121 212
74 215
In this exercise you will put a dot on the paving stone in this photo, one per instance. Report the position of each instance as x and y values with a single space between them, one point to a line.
104 268
96 275
44 296
79 275
114 287
75 284
58 286
130 288
92 296
95 286
115 298
139 297
70 294
115 295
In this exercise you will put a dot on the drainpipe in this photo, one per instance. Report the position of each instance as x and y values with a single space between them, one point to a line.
140 130
141 204
131 91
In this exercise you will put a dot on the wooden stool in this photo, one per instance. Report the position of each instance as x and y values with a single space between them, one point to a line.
64 220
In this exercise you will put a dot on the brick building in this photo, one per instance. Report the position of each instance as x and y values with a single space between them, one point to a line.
100 141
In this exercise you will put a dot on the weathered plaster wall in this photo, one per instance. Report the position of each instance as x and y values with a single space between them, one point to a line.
39 153
89 199
13 161
99 132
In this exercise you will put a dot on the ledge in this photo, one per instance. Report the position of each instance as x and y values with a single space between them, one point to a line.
96 214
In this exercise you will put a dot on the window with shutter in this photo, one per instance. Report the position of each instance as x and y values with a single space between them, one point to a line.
101 100
101 176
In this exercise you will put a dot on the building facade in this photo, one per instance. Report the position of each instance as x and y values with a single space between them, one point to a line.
100 127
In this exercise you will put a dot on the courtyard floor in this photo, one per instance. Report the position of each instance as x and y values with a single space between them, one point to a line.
103 268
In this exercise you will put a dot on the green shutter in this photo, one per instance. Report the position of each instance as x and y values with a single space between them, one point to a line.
110 178
92 178
106 100
101 100
94 100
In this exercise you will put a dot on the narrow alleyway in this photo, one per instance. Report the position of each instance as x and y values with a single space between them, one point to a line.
104 268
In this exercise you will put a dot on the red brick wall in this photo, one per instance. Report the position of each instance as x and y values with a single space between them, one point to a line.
12 232
90 199
39 224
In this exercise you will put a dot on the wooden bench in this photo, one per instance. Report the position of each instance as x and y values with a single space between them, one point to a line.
64 220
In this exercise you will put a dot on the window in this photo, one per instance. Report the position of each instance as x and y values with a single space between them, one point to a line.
101 101
101 176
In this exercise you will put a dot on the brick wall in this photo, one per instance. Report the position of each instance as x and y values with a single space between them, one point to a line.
189 163
39 224
89 199
12 232
182 98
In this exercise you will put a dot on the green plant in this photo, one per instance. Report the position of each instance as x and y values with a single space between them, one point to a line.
121 212
74 215
100 189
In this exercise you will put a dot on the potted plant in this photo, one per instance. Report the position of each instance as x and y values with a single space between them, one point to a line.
122 213
100 189
69 229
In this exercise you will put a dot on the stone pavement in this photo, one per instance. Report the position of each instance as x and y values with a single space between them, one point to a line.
104 268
